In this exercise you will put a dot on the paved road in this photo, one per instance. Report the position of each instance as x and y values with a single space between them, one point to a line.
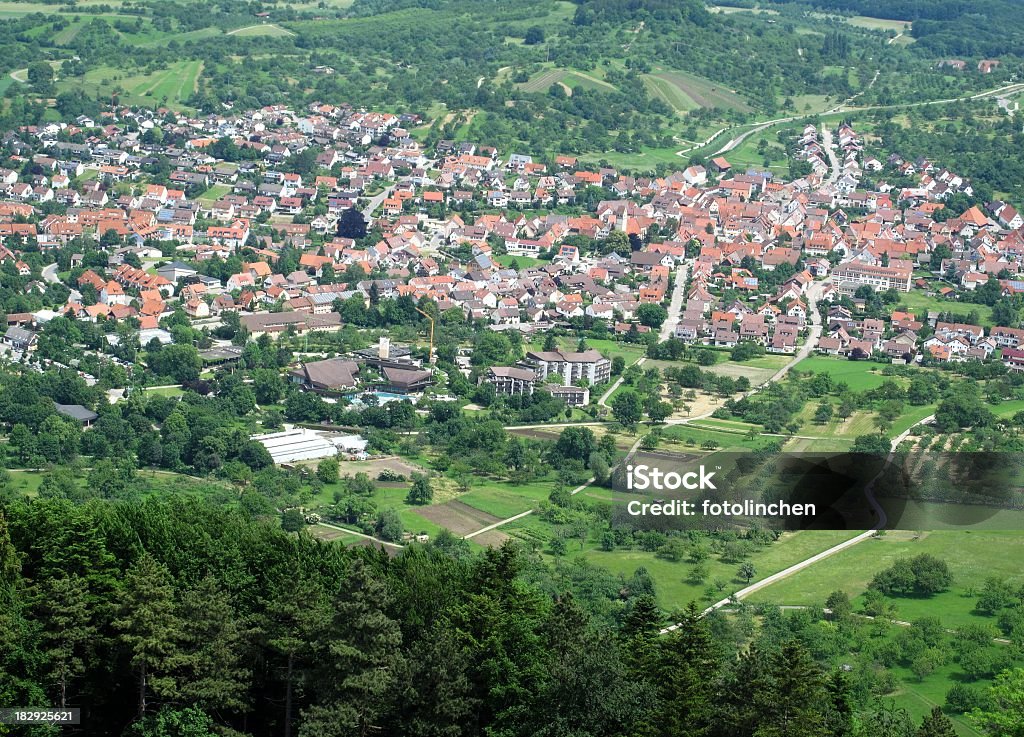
675 309
734 142
376 202
675 306
769 580
813 292
50 275
830 151
737 140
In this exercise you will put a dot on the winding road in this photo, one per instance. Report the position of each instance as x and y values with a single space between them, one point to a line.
732 143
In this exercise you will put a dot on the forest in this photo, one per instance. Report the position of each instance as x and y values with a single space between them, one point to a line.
177 617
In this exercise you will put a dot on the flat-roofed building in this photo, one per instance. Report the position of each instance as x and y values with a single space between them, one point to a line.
570 366
881 278
296 445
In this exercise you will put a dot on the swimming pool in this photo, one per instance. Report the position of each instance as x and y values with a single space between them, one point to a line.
383 397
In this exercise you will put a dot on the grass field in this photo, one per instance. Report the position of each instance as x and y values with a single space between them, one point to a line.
920 303
858 375
11 9
758 370
166 391
171 85
504 499
693 437
683 91
214 193
525 262
647 159
268 29
920 696
675 592
879 24
972 555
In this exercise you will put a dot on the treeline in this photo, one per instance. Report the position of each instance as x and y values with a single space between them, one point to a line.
175 617
979 28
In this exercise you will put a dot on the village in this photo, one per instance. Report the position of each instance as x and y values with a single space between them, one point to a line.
472 229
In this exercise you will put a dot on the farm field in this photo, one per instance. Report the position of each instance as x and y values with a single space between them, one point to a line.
567 78
879 24
170 85
684 92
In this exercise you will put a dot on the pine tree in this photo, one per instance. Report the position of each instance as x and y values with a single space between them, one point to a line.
213 645
62 606
362 663
936 724
149 627
684 675
584 687
440 701
297 610
781 692
639 633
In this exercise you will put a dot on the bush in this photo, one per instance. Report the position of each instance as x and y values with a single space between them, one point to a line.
922 575
292 520
962 698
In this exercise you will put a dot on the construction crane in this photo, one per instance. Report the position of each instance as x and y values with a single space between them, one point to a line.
430 351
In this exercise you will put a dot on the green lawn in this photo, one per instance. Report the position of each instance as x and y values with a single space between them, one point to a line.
920 696
646 159
268 29
166 391
1008 408
911 417
504 499
525 262
171 85
920 303
972 555
214 193
674 592
858 375
26 482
